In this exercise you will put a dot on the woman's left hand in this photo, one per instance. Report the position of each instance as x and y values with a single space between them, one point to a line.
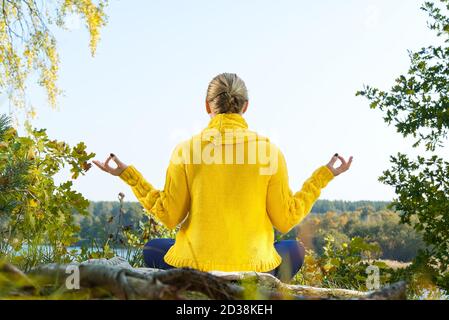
345 165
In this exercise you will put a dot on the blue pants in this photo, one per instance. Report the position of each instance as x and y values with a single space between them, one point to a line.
291 251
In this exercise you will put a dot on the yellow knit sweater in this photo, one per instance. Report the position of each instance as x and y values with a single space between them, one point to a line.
227 187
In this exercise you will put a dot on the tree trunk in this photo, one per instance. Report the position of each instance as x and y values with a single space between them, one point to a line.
124 282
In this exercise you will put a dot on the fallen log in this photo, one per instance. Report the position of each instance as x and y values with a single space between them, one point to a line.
16 276
124 282
396 291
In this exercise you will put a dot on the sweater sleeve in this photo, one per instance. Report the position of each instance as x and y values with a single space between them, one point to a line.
170 205
286 209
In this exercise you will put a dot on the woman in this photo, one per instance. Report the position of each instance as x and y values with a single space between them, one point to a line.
227 187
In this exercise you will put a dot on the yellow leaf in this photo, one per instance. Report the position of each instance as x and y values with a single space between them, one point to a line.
33 203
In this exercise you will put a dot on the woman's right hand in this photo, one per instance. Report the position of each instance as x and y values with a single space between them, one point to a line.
345 165
107 168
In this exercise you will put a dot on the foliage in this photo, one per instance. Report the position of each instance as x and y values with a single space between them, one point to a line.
36 221
418 106
418 103
397 241
420 280
106 213
118 228
343 266
27 43
148 229
346 265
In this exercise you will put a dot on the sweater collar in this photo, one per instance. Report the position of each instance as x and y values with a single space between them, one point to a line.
228 128
225 121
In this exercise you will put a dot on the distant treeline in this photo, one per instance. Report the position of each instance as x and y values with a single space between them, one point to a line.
105 219
104 215
324 206
370 220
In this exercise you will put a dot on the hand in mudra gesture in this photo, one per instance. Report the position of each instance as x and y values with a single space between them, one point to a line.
342 168
107 168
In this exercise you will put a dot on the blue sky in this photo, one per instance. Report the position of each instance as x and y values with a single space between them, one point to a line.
302 62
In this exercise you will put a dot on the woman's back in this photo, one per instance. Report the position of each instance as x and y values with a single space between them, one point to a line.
229 187
227 227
